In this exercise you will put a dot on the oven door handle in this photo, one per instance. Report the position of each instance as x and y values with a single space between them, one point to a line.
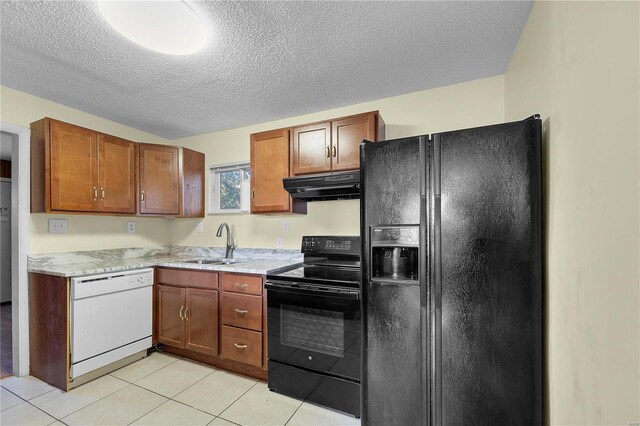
312 290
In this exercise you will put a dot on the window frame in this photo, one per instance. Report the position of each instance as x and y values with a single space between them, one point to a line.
214 187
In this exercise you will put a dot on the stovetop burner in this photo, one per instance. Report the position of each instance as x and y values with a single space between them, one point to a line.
321 274
327 261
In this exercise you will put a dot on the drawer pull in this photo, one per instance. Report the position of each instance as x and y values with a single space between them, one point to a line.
242 285
240 346
241 311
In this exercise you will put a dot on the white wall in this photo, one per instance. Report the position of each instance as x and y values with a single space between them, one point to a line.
462 105
577 64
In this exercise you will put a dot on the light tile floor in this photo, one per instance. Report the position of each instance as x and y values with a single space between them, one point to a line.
159 390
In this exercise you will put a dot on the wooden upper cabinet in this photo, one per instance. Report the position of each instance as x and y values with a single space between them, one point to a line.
73 159
74 169
79 170
311 148
116 169
192 184
159 180
346 136
334 145
269 165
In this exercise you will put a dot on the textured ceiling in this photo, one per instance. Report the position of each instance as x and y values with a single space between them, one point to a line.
264 60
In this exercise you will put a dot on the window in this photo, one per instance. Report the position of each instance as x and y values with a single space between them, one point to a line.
229 188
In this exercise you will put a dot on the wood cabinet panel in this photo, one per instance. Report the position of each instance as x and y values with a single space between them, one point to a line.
197 331
187 278
239 283
311 148
49 329
241 345
158 180
74 168
242 310
333 145
269 165
79 170
171 306
201 318
192 183
347 134
117 172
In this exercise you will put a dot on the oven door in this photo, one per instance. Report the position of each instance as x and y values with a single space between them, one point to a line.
315 328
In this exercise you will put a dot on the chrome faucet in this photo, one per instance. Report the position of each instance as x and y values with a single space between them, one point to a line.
230 242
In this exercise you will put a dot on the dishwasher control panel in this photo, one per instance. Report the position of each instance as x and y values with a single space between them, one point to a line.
95 285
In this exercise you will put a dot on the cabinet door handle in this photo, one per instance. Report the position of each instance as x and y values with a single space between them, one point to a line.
181 308
241 311
253 194
102 193
335 152
95 193
185 314
142 197
242 285
240 346
328 152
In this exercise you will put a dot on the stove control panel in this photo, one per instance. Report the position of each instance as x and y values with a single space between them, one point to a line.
331 245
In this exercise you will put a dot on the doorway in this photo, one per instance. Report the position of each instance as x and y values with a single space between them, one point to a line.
6 353
14 230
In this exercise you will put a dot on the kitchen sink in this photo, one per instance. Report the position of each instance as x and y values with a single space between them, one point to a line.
212 261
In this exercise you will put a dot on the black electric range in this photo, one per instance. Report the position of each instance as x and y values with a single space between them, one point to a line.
314 325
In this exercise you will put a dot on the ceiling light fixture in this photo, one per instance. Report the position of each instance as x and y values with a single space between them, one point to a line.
170 27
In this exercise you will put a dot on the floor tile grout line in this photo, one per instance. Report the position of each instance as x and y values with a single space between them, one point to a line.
99 399
171 397
33 397
154 408
236 400
40 409
226 420
195 408
16 395
216 415
294 413
143 377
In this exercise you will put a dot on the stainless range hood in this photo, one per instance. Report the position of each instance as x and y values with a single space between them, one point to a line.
326 186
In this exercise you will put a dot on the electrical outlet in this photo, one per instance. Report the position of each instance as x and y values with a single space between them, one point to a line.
285 226
131 227
57 226
199 228
279 242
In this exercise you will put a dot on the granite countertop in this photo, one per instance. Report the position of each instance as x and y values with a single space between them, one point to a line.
79 263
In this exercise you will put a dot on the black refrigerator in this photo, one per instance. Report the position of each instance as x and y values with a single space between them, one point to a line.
451 277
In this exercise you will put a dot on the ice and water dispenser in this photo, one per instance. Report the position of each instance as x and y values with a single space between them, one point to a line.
395 253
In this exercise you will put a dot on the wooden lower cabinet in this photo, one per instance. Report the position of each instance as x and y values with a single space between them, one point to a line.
201 318
242 345
223 324
187 317
171 302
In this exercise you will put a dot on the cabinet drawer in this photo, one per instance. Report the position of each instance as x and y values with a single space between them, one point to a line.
242 345
248 284
242 310
187 278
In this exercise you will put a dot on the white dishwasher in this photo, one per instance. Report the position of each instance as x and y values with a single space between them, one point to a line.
111 318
